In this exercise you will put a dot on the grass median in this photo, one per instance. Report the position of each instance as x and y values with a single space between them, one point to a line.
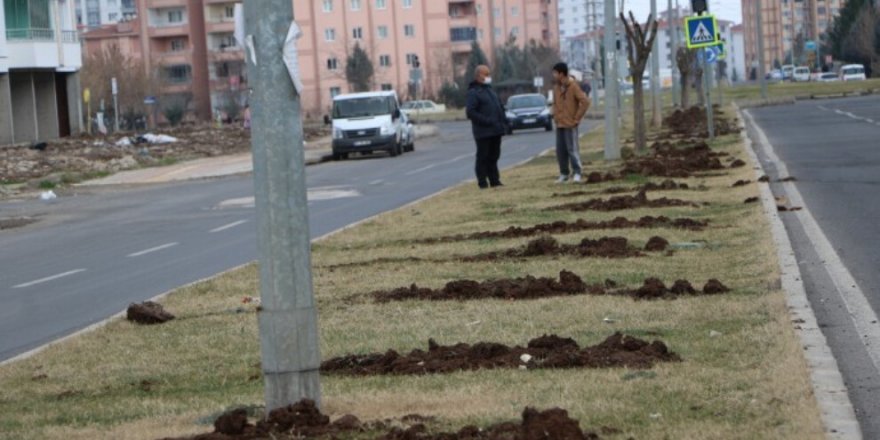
742 374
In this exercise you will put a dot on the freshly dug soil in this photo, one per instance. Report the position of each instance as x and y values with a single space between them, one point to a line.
303 420
692 123
561 227
752 200
740 183
605 247
653 288
657 244
148 313
15 222
510 289
550 351
669 160
618 203
597 177
739 163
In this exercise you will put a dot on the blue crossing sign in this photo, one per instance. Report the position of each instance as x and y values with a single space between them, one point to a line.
701 31
711 55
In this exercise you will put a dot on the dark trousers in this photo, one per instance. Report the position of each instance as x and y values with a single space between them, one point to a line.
488 152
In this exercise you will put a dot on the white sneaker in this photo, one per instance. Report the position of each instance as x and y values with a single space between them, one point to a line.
562 179
577 178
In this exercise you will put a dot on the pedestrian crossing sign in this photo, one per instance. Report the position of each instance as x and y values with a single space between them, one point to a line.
701 31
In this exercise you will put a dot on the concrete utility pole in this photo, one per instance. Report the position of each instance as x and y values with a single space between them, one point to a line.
707 90
612 92
656 108
761 68
672 22
288 321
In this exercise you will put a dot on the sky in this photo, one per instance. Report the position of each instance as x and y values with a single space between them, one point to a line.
726 9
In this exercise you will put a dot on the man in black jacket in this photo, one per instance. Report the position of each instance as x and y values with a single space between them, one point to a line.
487 118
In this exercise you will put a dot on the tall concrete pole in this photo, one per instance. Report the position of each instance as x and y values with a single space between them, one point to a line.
288 320
612 91
656 108
759 22
597 51
672 18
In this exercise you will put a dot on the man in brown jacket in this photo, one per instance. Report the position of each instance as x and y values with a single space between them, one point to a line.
570 104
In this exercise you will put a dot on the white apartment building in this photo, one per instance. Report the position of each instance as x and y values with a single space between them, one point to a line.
577 17
94 13
40 59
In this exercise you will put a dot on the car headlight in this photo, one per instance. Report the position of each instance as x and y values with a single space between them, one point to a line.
510 115
545 112
388 130
337 133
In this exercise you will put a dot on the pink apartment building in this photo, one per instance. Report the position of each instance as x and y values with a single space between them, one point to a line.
191 44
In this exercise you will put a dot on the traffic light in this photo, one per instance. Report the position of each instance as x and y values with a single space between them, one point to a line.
415 62
699 6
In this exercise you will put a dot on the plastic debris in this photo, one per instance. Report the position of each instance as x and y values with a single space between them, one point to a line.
48 196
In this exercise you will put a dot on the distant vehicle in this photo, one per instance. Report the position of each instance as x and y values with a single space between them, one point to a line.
853 72
828 77
788 71
409 133
775 75
528 111
422 107
801 74
367 122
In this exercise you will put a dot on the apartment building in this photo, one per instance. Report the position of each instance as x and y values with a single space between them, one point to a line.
783 22
40 58
95 13
191 43
576 18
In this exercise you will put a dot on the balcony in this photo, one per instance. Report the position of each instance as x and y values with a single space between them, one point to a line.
159 4
174 57
226 27
169 30
41 35
462 37
233 53
38 48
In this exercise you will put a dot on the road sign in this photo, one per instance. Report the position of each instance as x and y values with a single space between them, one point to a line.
539 81
149 100
87 95
711 54
113 86
701 31
810 45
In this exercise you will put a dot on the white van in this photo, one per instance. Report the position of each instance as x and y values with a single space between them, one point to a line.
852 72
368 122
801 74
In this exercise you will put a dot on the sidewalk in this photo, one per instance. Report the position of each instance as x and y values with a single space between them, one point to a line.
320 151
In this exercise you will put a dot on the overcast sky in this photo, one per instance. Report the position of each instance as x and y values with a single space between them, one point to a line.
726 9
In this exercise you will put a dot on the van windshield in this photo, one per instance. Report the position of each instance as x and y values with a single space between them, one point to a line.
853 70
362 107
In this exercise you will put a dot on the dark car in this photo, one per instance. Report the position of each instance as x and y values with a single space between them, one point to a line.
528 111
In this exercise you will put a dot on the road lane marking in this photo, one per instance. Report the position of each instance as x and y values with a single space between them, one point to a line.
419 170
153 249
376 182
49 278
229 226
858 308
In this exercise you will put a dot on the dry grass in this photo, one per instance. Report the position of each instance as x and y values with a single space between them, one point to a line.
751 382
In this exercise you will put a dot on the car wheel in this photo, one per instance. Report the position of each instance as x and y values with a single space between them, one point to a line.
412 146
394 151
338 156
548 127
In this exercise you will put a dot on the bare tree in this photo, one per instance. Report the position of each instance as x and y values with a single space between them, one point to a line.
135 83
686 60
641 41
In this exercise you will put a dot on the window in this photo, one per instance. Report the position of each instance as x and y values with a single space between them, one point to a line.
178 74
514 31
380 4
382 32
387 87
332 64
355 5
229 12
357 33
407 4
335 91
410 57
175 16
497 32
385 60
178 44
409 30
514 11
479 9
112 16
328 5
496 12
330 34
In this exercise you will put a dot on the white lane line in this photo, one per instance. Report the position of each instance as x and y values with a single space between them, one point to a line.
229 226
377 182
860 312
154 249
50 278
419 170
869 120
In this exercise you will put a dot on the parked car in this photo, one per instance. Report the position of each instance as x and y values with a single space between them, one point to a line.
409 133
788 71
421 107
801 74
775 75
853 72
367 122
828 77
528 111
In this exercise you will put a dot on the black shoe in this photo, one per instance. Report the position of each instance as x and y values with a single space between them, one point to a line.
484 186
496 185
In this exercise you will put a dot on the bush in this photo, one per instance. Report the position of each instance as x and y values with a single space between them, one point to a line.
174 113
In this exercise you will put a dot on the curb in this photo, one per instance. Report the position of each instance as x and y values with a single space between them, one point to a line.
837 413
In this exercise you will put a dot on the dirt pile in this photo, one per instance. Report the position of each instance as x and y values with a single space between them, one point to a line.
740 183
692 122
619 203
605 247
15 222
562 227
303 420
668 160
597 177
653 288
148 312
510 289
545 352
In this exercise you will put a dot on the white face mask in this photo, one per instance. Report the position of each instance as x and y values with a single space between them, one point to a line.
488 80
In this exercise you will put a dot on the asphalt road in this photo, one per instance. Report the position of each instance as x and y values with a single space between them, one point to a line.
97 251
831 147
